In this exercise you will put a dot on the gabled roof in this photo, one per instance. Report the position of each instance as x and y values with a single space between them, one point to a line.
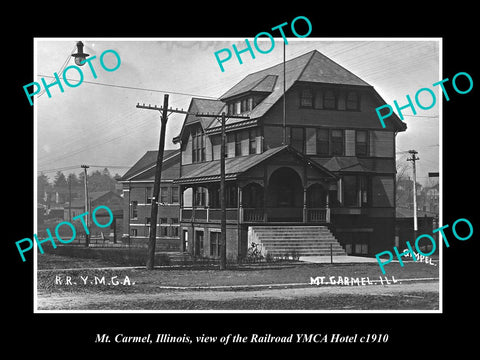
93 196
204 106
147 162
236 166
313 67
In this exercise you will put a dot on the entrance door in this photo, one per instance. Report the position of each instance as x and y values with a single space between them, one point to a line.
198 242
285 196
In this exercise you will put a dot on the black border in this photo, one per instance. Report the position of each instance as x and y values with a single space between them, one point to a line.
422 334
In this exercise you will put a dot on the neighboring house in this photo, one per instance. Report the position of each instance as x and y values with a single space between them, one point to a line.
404 227
137 185
106 198
429 199
327 162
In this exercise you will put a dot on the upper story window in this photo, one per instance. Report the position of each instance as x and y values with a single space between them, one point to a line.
361 143
198 146
175 195
329 99
252 140
336 138
200 196
323 143
134 210
297 138
352 101
164 198
330 142
238 107
149 194
306 98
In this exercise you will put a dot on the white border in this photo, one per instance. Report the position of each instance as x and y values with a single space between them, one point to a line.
439 311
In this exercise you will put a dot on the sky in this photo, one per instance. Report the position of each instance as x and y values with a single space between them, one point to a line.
99 125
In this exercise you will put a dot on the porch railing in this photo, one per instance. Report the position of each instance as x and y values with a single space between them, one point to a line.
254 214
318 215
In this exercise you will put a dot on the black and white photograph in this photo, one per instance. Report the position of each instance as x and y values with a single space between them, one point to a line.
231 175
242 183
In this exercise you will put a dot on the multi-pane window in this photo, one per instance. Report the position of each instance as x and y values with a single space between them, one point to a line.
329 100
252 138
200 196
336 138
134 210
238 107
297 139
361 143
238 144
355 190
198 146
174 227
148 194
350 197
306 98
323 142
175 196
352 100
163 227
215 244
230 150
164 198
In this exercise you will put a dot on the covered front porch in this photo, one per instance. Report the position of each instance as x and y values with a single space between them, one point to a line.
280 187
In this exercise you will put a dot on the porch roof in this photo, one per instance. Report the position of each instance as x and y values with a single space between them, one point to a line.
346 164
236 166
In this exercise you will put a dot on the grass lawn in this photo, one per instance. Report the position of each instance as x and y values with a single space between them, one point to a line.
210 276
90 288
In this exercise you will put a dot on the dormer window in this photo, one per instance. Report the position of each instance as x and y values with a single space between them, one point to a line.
241 106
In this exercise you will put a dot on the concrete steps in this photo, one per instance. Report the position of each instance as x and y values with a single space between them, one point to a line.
280 241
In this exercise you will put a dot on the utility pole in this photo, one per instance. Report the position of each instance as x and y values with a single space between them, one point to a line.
164 109
156 185
87 236
70 198
284 101
413 159
223 220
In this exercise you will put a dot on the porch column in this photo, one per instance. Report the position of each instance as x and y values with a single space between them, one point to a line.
327 206
305 211
180 190
239 204
207 203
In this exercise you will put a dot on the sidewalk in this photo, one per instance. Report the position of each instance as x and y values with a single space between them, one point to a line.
342 259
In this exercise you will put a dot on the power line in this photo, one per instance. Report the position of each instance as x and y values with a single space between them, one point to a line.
136 88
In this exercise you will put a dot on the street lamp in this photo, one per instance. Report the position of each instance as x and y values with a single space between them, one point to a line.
80 56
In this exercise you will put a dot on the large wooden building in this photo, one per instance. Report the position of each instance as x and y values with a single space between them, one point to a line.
320 159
